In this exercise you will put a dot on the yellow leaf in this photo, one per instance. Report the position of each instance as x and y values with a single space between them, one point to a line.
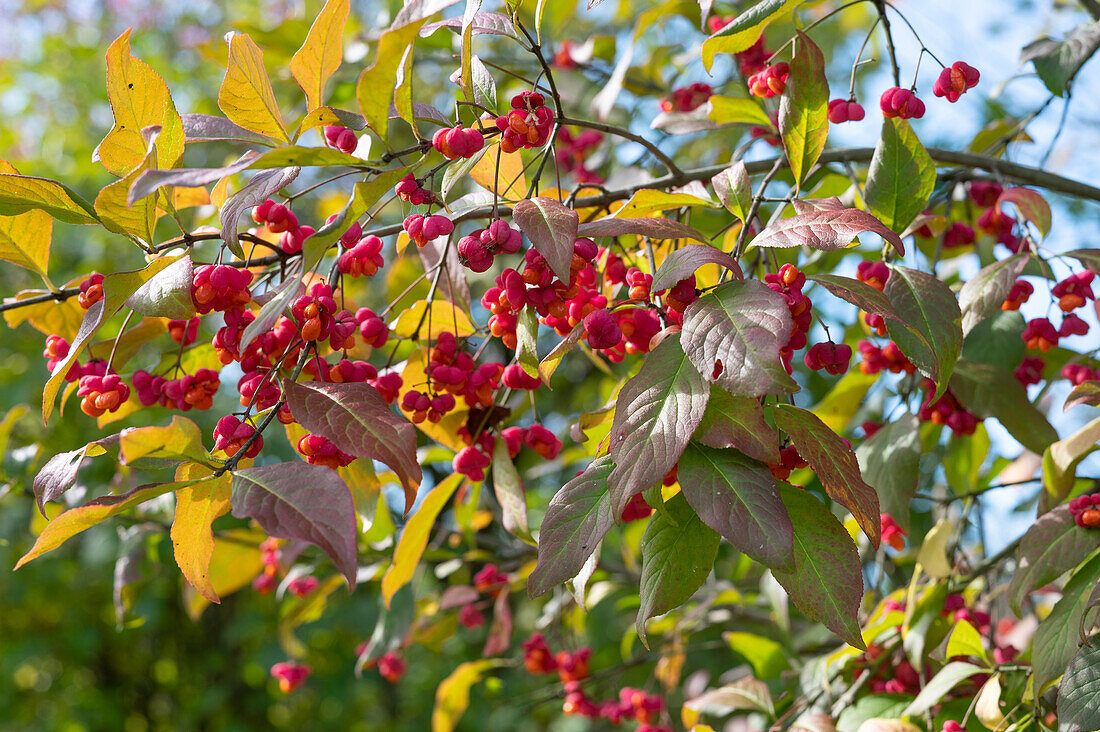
192 536
414 539
22 193
745 29
183 197
933 551
964 640
437 317
49 317
139 98
649 201
452 696
319 57
445 432
987 707
511 183
75 520
246 96
181 440
25 241
234 563
113 209
374 89
321 117
220 192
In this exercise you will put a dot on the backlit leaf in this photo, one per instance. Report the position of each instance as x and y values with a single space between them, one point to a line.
426 320
901 176
319 57
374 90
803 114
654 228
22 193
734 189
197 506
890 463
827 230
452 696
1031 206
246 95
167 294
414 536
992 391
933 337
683 262
1059 634
552 228
743 31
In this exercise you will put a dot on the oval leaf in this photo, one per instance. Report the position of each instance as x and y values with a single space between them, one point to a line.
932 338
246 95
1052 546
803 113
552 228
827 230
982 295
901 177
658 228
414 536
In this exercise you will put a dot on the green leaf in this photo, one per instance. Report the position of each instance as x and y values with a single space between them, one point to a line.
937 688
827 580
683 262
964 640
737 110
992 391
834 463
803 109
508 488
1079 693
766 656
738 498
1059 634
319 57
738 422
578 517
734 189
901 177
996 340
678 552
1057 62
890 463
246 95
745 29
22 193
933 338
656 413
982 295
733 334
527 331
1052 546
414 537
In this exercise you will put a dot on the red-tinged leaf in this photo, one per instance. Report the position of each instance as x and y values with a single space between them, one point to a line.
733 334
805 205
1088 257
414 537
683 262
992 391
59 473
167 294
860 294
578 517
297 500
508 489
500 629
734 189
1030 205
982 295
1087 392
737 422
656 228
319 57
457 596
827 580
901 176
212 128
148 182
552 228
197 506
890 463
656 413
678 552
826 230
483 22
832 459
932 338
279 300
803 108
72 522
357 420
1052 546
738 498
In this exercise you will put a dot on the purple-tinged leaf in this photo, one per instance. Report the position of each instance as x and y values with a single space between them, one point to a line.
578 517
301 501
889 461
212 128
683 262
831 458
982 295
72 522
989 390
737 422
655 415
806 205
932 336
678 552
167 294
256 191
358 421
500 629
733 334
453 285
1088 257
59 473
862 295
325 116
738 498
148 182
278 302
827 580
825 230
1052 546
803 108
415 10
901 177
1030 205
734 189
483 22
552 228
510 494
457 596
1079 692
1087 392
684 123
653 228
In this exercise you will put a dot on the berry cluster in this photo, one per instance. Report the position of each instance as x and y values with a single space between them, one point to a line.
955 80
290 675
476 250
789 461
687 98
892 533
769 82
946 411
1086 510
341 138
423 229
91 290
832 357
901 103
527 125
788 282
412 191
845 110
458 142
268 578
